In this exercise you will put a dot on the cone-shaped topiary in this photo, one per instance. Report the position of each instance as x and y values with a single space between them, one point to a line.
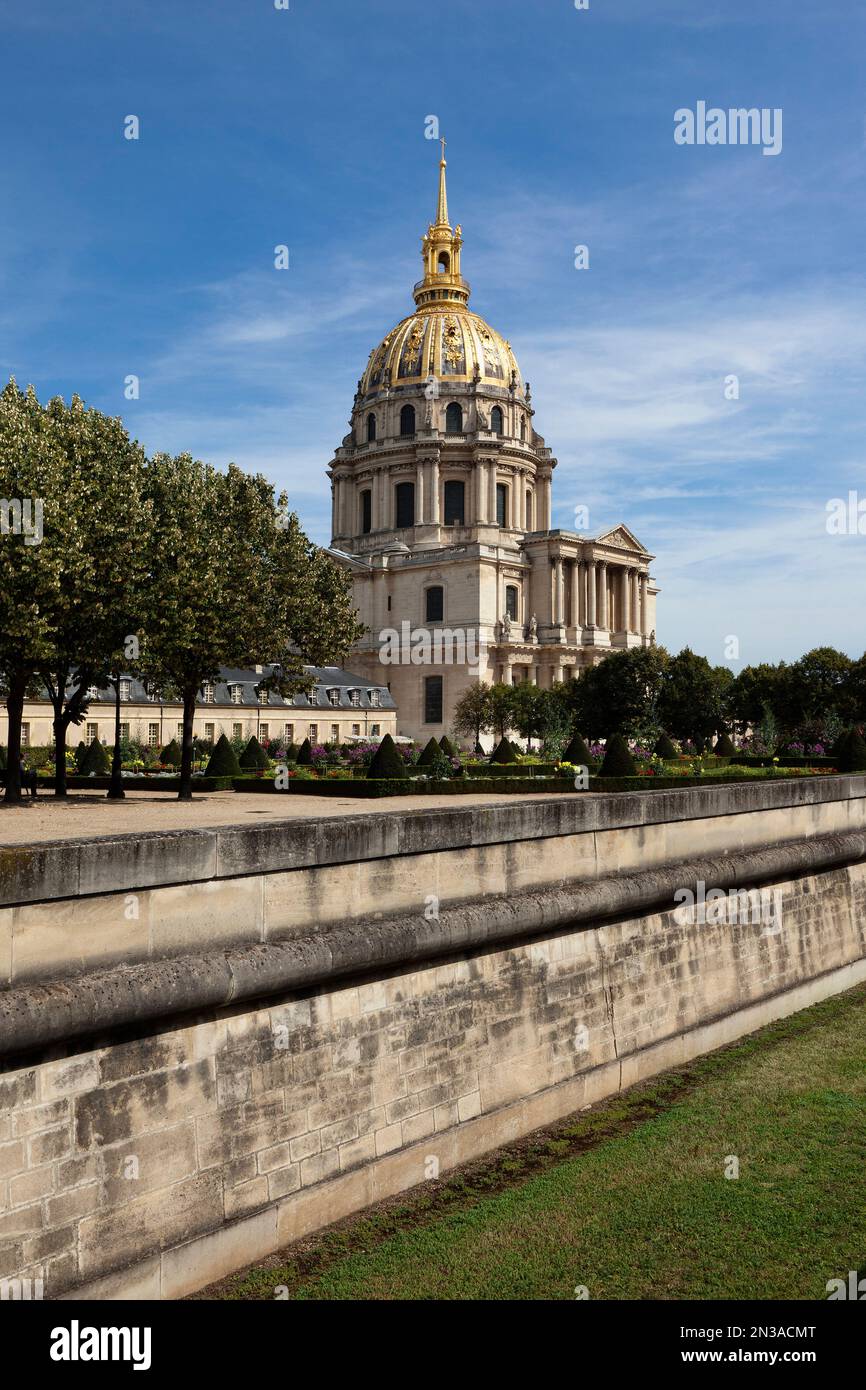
292 753
170 754
663 747
223 760
95 760
386 760
79 754
503 752
699 743
429 754
447 747
852 753
253 756
304 754
724 747
479 751
618 761
577 752
2 758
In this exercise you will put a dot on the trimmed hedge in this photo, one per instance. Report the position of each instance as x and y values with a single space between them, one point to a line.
577 752
96 759
141 784
447 747
386 761
852 753
618 761
429 754
223 760
304 758
724 747
664 748
509 769
503 752
394 786
171 754
254 756
798 760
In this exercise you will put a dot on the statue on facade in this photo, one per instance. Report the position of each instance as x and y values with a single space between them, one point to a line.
533 629
505 628
480 418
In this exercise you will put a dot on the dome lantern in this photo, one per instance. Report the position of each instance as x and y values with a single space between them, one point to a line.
440 252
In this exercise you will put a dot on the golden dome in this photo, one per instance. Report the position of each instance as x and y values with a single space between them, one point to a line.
450 343
443 338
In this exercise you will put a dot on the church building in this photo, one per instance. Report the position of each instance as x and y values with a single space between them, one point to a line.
441 510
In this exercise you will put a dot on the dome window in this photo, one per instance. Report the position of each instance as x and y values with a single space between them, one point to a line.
522 428
444 263
502 504
454 503
454 419
404 505
371 428
496 420
366 511
407 421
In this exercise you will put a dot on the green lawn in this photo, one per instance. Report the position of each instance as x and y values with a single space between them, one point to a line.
631 1199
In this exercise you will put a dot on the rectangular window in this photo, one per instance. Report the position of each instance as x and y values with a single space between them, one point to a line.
435 604
92 692
355 698
433 700
92 733
124 732
25 735
126 690
374 698
334 697
237 730
335 733
501 504
263 731
207 693
153 735
237 694
290 733
404 505
366 512
209 732
180 730
314 733
454 493
264 697
374 729
356 728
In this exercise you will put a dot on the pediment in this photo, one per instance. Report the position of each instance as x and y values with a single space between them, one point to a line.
624 539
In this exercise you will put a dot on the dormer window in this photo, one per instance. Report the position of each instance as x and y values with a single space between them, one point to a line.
126 690
264 696
355 698
237 694
334 697
374 698
92 692
207 693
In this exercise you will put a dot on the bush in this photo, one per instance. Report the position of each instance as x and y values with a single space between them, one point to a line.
576 752
223 760
386 760
663 747
254 756
430 754
852 753
95 760
618 761
305 754
447 747
503 752
171 754
724 747
292 753
79 754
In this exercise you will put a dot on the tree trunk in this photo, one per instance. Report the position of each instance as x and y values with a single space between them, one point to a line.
185 792
15 708
59 749
115 787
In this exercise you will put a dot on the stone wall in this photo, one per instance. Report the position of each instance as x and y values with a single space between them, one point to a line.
144 1157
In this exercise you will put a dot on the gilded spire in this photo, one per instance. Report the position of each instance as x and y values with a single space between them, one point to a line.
442 206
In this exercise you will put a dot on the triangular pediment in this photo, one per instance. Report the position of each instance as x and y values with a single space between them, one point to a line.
623 539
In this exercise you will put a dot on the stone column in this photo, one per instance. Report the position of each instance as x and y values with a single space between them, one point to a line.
602 594
576 575
624 586
643 604
420 494
480 492
559 610
590 593
433 506
544 524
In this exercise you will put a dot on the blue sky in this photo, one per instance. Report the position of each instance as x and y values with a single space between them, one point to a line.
306 127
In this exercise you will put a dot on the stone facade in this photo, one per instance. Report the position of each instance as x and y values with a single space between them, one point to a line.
444 485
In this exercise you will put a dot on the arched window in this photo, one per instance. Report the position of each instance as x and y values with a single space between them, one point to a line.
371 427
496 420
444 263
511 595
407 420
454 419
435 604
522 427
502 504
454 495
404 505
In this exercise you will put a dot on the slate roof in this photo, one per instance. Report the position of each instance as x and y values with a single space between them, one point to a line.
327 678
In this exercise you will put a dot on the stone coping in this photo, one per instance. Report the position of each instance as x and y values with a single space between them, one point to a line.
57 869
